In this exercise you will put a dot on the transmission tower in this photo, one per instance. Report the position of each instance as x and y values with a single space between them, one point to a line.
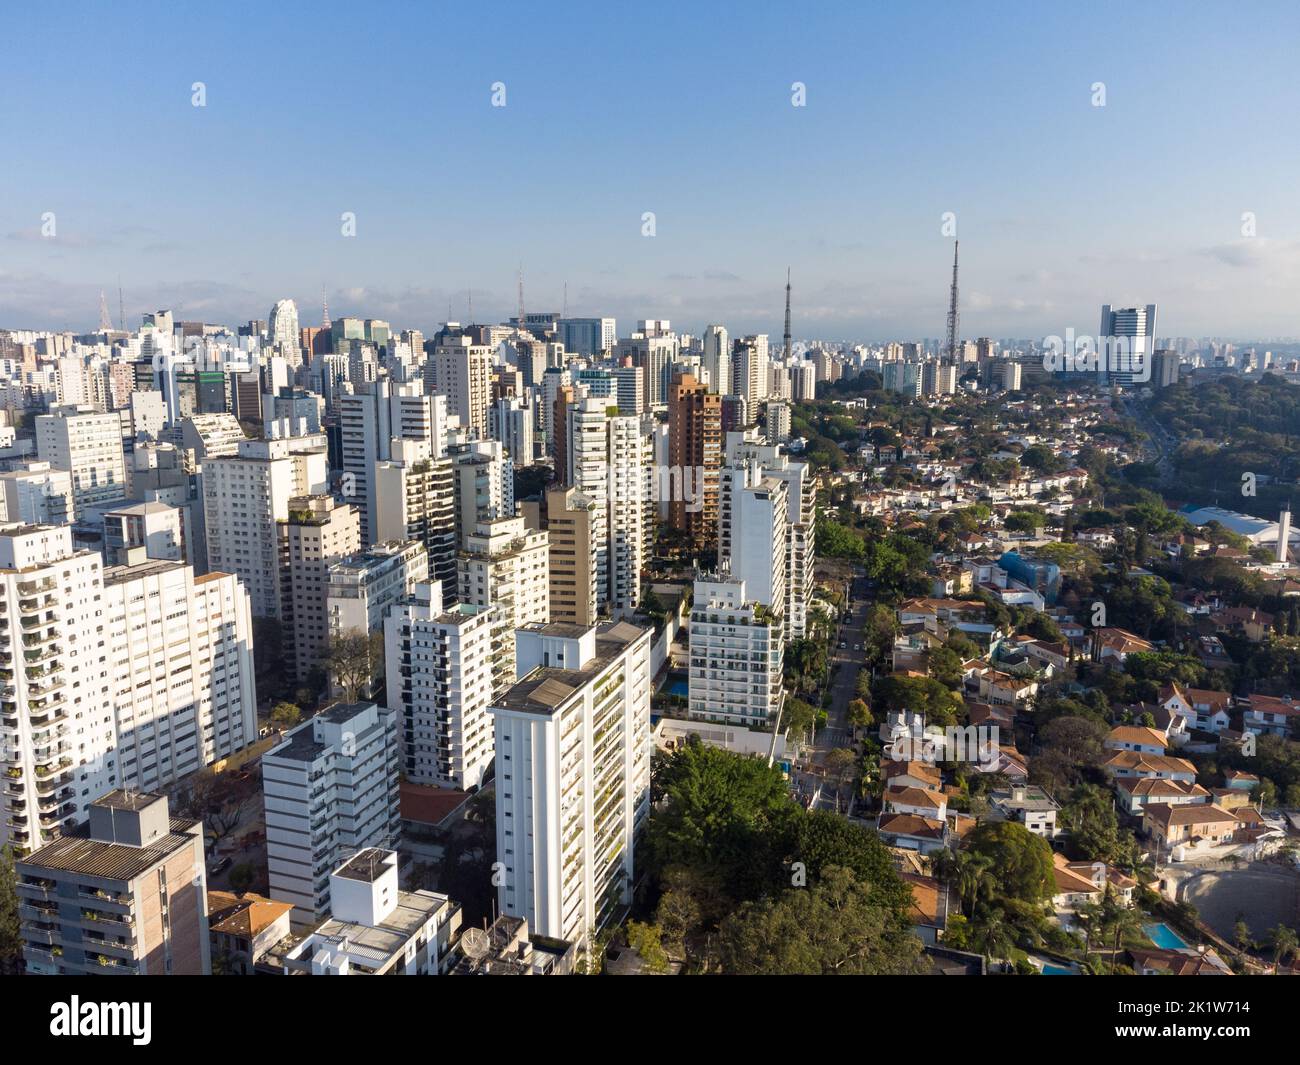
324 309
952 311
105 322
787 314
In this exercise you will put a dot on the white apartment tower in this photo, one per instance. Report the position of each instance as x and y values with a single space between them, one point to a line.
56 706
245 497
631 517
440 683
573 775
88 445
736 656
505 564
317 533
181 663
330 789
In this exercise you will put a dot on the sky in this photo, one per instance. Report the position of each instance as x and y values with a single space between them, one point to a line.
911 112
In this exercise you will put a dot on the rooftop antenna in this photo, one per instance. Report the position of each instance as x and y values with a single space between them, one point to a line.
952 310
324 309
469 297
475 944
787 314
105 322
565 312
121 306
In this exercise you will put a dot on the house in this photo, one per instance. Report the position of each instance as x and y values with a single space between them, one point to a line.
1240 780
1254 624
1203 708
1154 961
1136 738
911 832
929 906
923 802
1135 792
1002 689
1028 804
1271 714
1078 883
1139 764
1113 646
1188 825
243 928
911 775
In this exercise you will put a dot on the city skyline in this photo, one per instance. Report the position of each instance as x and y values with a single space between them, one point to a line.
218 210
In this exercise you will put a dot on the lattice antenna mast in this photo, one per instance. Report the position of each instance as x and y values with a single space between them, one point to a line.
787 314
121 306
324 309
952 310
105 322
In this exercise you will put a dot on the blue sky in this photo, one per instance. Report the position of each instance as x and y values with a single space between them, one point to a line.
384 110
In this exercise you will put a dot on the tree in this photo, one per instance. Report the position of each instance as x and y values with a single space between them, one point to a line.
216 799
860 715
1022 860
1284 944
992 935
1094 828
11 941
835 926
647 941
284 715
241 878
352 660
725 816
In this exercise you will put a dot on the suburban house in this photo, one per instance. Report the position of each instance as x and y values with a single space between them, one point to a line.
1203 708
920 801
929 907
1156 962
1188 825
911 832
1135 792
1028 804
1139 764
1136 738
1271 714
1113 646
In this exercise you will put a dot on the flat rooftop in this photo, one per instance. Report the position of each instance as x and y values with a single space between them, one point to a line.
78 853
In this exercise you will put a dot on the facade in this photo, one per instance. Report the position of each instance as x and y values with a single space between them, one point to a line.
695 451
736 656
415 499
440 683
88 445
330 790
245 497
507 565
36 494
317 533
573 775
180 658
571 525
124 894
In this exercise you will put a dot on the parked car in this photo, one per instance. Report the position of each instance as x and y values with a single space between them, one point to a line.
221 866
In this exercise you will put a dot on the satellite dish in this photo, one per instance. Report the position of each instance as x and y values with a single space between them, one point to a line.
475 944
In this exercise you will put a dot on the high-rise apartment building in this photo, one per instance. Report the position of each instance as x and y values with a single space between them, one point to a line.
415 499
245 497
440 683
125 893
330 789
736 656
694 456
462 371
573 748
88 445
317 533
571 525
507 565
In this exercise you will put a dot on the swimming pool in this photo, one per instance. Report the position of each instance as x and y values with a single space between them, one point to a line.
1164 937
1059 970
677 687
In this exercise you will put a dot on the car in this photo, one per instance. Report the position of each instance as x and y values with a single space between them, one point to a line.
843 644
222 866
857 647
